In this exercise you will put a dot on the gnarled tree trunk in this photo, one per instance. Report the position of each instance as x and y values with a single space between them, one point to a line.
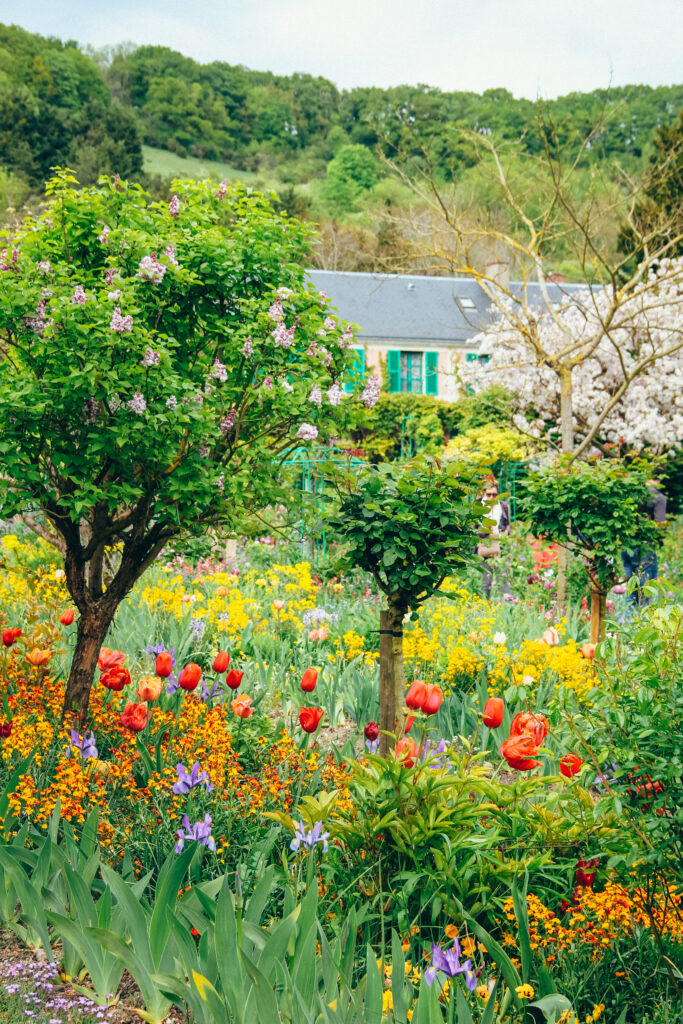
392 681
93 625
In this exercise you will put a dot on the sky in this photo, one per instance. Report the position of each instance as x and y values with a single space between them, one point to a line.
531 47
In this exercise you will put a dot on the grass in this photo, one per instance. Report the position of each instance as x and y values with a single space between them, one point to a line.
169 165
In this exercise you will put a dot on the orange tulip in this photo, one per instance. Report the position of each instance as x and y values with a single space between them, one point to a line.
149 688
415 697
551 637
242 706
406 751
570 765
519 752
278 605
164 664
309 718
527 722
190 676
309 679
110 659
38 658
433 699
221 662
134 717
115 679
588 651
494 709
67 617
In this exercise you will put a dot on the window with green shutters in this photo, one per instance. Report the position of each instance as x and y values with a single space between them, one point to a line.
354 371
431 373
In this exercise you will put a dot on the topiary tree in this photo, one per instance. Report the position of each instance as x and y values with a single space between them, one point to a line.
158 361
594 509
410 527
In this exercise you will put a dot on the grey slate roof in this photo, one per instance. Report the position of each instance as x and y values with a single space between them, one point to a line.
402 307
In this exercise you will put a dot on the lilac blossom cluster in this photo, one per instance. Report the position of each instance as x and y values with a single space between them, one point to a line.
120 324
369 396
150 358
174 206
283 336
149 269
137 403
219 371
307 432
79 298
8 260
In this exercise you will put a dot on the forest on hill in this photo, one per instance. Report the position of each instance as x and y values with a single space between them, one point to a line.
135 110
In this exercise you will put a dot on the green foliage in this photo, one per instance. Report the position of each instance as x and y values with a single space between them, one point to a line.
350 173
600 503
488 445
410 526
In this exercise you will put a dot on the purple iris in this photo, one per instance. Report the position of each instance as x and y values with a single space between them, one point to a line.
309 839
85 744
372 745
188 780
608 773
437 758
449 964
200 833
209 694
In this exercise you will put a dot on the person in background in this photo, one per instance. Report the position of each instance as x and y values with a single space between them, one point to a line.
488 547
643 564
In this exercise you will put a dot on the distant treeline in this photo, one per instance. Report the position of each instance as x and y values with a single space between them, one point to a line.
59 105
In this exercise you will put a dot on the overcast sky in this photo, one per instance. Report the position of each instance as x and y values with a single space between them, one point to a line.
531 47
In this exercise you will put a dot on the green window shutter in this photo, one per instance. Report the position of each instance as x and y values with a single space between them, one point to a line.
394 368
431 373
355 370
471 357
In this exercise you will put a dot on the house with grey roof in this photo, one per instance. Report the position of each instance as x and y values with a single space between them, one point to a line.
421 326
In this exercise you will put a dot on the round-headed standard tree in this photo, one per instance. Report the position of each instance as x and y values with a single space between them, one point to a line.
158 361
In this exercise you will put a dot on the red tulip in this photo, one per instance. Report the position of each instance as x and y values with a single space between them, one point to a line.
408 723
570 765
519 752
190 676
433 699
242 706
584 878
494 709
115 679
163 666
406 751
309 718
221 662
535 726
5 730
67 617
234 678
371 731
110 659
415 697
309 679
10 636
134 717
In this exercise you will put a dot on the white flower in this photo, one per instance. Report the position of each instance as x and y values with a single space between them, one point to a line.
307 432
248 348
499 638
150 358
137 403
334 394
527 680
316 396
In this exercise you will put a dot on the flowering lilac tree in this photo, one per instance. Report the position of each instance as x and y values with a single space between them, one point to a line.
158 362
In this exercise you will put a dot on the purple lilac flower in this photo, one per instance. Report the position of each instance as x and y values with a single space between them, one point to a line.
149 269
228 422
329 323
171 402
150 358
307 432
44 267
220 482
316 396
37 322
276 312
346 339
284 293
268 383
104 237
84 745
110 275
283 336
218 371
309 839
174 206
334 394
248 348
370 393
120 324
79 297
115 294
137 403
222 190
169 253
7 261
90 409
449 964
200 833
188 780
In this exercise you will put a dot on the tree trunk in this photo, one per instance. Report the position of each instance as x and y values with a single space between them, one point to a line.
567 434
391 675
91 633
598 602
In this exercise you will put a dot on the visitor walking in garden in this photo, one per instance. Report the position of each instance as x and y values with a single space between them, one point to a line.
643 564
489 545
